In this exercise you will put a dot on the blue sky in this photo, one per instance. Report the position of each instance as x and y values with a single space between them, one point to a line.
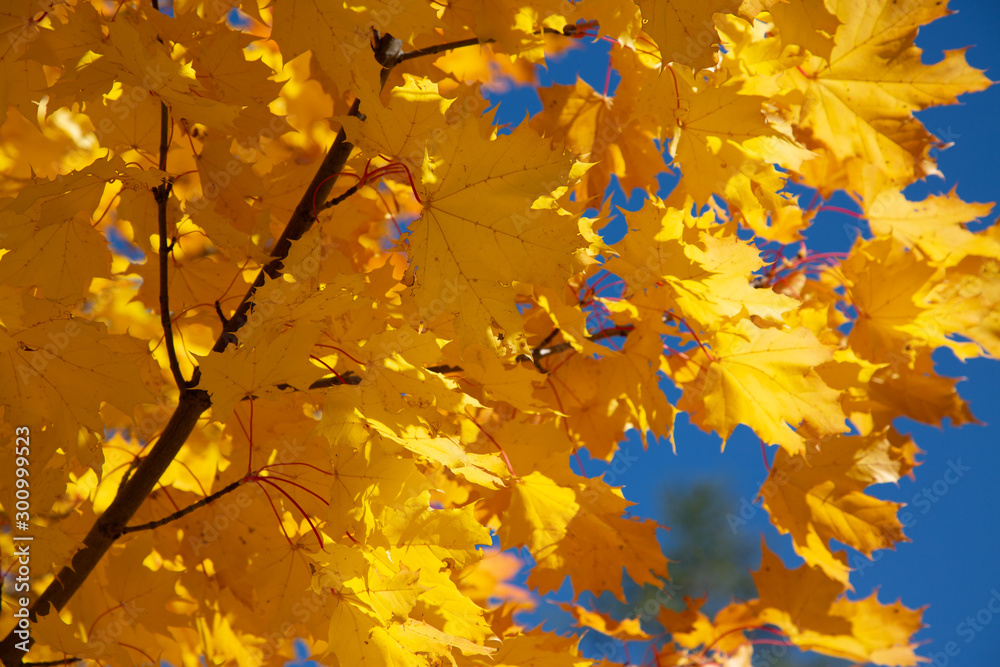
953 561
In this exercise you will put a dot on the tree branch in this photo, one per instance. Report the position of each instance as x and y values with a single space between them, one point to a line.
192 403
184 512
610 332
322 383
109 525
543 349
300 222
439 48
162 195
569 31
339 198
539 352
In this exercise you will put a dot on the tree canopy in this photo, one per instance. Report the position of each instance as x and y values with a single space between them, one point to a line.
297 342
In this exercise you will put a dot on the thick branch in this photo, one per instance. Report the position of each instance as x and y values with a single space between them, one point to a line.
109 525
193 402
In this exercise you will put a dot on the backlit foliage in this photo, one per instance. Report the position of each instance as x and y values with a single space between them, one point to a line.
279 255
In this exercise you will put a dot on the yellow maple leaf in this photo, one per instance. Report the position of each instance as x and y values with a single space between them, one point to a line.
488 205
257 369
810 609
560 523
706 270
57 370
628 629
889 285
603 130
684 31
764 378
936 226
859 103
819 495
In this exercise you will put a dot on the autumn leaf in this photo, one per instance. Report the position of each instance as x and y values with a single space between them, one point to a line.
859 103
517 227
255 369
747 363
820 495
811 609
684 32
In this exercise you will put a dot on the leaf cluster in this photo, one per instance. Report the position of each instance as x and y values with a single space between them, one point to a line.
299 333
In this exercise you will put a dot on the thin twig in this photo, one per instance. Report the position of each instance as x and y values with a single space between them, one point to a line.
300 222
162 195
184 512
439 48
568 31
339 198
540 352
536 354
